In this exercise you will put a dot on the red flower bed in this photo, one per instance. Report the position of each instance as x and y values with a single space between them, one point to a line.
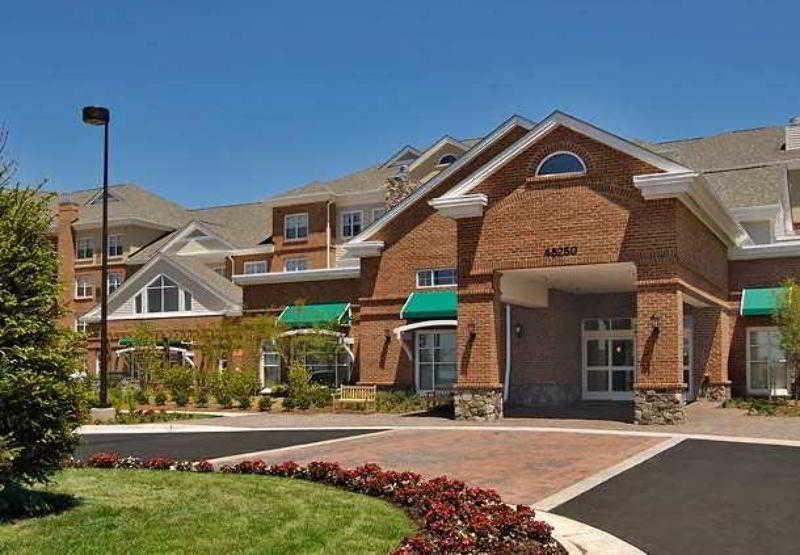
453 518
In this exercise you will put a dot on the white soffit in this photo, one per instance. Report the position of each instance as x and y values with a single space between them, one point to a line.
617 277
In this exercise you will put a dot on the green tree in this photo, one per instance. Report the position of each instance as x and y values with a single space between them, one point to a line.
40 405
787 318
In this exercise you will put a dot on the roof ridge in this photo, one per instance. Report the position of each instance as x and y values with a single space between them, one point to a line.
225 205
715 135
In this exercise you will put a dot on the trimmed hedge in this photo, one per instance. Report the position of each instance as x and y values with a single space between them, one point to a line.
453 518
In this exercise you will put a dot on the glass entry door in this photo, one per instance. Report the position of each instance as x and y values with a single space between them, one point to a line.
609 359
435 359
766 362
688 361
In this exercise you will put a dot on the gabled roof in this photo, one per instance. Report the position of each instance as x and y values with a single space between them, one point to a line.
241 225
369 180
408 152
541 129
192 274
435 147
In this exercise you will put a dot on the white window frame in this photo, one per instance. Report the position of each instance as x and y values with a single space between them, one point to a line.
361 225
116 239
441 164
272 349
86 240
121 279
80 327
432 331
608 335
250 264
748 361
546 158
286 219
84 281
181 299
295 259
432 273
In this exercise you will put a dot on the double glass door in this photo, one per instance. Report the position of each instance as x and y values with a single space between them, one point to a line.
609 358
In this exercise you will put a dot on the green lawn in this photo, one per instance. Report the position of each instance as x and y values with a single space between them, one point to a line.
135 511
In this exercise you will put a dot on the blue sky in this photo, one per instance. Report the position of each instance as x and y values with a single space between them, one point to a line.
217 103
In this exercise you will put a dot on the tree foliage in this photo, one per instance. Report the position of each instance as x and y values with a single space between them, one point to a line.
787 318
39 404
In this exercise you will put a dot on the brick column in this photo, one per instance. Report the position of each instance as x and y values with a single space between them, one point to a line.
713 326
478 391
659 382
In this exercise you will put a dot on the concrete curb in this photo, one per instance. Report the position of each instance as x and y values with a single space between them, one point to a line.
581 539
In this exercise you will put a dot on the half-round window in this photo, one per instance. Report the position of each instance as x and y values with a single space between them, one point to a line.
561 163
446 160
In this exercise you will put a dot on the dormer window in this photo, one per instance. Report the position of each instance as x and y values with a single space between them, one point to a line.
446 160
163 295
295 227
561 163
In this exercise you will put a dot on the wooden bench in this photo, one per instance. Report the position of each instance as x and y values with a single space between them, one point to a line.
356 394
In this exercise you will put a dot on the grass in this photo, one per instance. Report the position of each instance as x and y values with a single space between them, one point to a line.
764 407
133 511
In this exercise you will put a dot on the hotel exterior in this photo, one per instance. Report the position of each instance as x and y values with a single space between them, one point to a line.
543 264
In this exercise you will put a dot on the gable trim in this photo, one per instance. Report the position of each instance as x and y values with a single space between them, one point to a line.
192 226
446 140
498 133
551 122
400 154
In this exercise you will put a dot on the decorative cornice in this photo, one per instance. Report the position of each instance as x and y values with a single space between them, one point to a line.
467 206
363 249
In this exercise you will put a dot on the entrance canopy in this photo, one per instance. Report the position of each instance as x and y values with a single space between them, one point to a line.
310 315
761 302
427 305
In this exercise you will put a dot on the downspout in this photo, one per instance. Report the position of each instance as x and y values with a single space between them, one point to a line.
328 232
508 353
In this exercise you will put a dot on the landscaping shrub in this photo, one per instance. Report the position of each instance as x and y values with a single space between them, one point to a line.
141 397
406 401
243 385
179 380
265 403
301 392
221 388
453 518
160 398
202 397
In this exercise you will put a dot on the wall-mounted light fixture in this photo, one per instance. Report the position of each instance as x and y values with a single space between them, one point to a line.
471 330
518 330
655 323
387 335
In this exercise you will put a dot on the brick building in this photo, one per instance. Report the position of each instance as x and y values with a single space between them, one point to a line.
542 264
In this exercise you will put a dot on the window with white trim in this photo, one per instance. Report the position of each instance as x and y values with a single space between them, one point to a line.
295 227
115 245
138 304
256 267
84 287
114 281
298 264
435 359
446 160
80 326
85 248
767 370
352 223
222 364
436 277
561 163
270 363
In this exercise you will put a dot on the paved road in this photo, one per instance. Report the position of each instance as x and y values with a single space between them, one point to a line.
701 497
204 445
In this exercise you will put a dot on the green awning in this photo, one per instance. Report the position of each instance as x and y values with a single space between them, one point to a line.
311 315
427 305
761 302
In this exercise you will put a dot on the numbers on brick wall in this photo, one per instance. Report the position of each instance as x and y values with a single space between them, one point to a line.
557 252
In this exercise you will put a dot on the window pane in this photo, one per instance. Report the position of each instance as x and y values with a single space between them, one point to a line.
447 347
621 324
138 304
425 376
170 299
591 325
424 278
445 374
597 380
154 300
561 163
597 352
622 352
622 380
445 276
187 300
758 375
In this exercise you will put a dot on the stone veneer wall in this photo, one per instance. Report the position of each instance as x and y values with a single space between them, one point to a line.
658 407
478 404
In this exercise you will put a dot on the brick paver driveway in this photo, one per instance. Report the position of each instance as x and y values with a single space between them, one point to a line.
523 466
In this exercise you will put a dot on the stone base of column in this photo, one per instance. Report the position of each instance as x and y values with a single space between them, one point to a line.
717 392
662 406
478 404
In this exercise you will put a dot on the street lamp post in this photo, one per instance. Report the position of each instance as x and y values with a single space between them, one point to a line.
95 115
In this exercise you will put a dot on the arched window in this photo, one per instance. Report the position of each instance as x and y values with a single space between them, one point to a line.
447 159
561 163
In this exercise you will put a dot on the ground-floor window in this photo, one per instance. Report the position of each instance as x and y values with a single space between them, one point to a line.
608 358
329 368
435 359
766 362
270 364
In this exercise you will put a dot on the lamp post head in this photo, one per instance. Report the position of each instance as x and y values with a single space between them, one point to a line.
96 115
